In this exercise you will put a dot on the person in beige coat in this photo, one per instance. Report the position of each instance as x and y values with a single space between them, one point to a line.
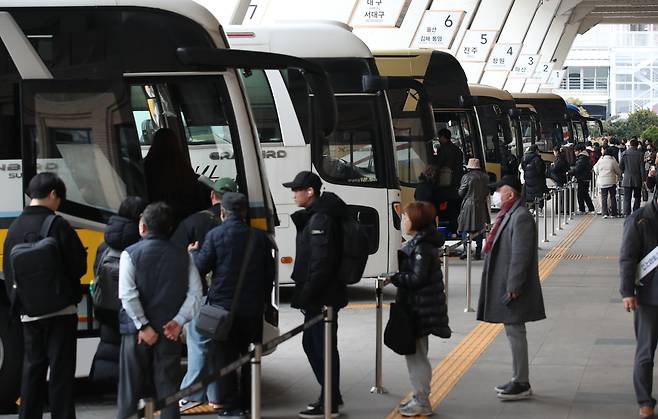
608 174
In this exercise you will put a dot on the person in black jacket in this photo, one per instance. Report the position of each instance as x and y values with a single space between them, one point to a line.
559 167
534 174
427 189
421 291
50 340
122 230
582 171
450 161
318 250
640 294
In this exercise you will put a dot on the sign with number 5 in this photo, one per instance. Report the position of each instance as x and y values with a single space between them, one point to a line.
437 29
476 45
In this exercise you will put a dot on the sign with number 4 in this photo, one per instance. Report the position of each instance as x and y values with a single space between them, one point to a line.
503 56
476 45
438 29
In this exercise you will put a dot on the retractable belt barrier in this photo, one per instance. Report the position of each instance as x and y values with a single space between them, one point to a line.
254 356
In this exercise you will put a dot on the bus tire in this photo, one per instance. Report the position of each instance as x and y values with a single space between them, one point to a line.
11 362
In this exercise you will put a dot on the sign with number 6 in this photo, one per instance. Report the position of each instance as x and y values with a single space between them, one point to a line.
437 29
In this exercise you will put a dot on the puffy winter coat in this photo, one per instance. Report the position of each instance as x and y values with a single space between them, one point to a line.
582 170
420 284
559 169
318 251
534 174
607 172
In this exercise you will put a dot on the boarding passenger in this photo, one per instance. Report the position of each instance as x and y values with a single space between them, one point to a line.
582 171
318 250
170 178
510 290
420 291
450 161
632 167
160 291
192 230
223 253
608 174
559 167
534 174
122 230
474 214
639 290
49 337
427 188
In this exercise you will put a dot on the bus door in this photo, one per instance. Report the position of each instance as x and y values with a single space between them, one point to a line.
497 141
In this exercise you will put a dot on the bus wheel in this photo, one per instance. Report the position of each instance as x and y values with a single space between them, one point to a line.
11 362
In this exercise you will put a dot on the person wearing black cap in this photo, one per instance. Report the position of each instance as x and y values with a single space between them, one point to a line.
510 290
315 276
222 253
582 171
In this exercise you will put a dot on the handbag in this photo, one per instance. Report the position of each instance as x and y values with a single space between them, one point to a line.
215 322
399 333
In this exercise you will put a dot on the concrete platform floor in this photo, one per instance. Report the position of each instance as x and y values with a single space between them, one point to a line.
581 356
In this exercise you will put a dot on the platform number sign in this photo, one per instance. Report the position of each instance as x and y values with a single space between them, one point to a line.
476 45
543 71
377 13
437 29
555 78
255 11
503 56
525 66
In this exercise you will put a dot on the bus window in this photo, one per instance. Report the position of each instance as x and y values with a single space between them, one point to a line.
83 131
491 126
413 151
262 106
349 154
578 132
460 125
527 127
197 109
10 143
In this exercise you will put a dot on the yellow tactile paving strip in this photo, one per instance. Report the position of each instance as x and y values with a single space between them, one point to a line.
452 368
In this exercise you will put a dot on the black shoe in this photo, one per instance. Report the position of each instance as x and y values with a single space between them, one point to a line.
232 413
463 256
317 412
478 256
502 387
516 391
320 402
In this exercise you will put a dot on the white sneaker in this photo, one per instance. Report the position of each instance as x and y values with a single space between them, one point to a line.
416 407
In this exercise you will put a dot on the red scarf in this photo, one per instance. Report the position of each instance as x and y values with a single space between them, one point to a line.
499 219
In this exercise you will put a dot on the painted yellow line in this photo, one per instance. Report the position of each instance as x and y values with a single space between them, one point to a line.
362 306
452 368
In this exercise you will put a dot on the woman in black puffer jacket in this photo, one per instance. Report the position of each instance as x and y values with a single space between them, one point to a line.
534 174
421 291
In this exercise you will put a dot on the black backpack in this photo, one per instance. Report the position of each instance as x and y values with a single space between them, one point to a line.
106 281
354 254
37 270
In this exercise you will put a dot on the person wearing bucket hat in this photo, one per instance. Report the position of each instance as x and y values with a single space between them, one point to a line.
194 229
474 214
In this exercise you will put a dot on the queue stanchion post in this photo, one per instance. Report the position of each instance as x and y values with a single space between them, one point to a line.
328 390
558 204
469 308
572 201
537 218
256 378
149 408
545 217
553 204
379 381
565 204
446 270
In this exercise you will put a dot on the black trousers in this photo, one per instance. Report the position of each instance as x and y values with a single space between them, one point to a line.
313 343
137 362
646 333
50 343
584 199
610 209
628 194
234 389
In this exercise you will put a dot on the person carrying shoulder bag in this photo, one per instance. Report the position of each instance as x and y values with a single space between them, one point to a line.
421 296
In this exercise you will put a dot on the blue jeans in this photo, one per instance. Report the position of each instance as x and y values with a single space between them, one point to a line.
313 343
199 364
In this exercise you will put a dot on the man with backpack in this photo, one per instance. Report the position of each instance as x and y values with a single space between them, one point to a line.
317 276
44 261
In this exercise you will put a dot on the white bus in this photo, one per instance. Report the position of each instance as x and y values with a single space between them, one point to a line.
357 161
83 84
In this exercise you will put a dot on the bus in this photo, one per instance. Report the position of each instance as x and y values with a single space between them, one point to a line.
497 115
452 105
584 127
82 89
356 162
